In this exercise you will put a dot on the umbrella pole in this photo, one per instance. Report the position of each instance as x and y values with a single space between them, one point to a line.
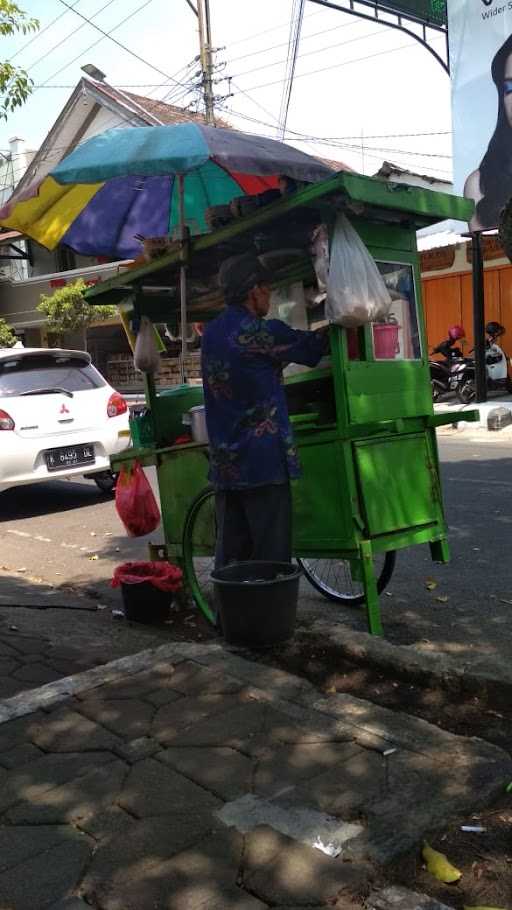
183 280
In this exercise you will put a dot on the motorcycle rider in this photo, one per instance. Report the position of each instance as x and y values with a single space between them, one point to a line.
446 348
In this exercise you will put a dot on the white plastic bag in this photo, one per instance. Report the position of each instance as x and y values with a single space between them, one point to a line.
146 357
356 293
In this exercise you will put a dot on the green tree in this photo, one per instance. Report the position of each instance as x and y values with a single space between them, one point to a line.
15 85
66 310
7 336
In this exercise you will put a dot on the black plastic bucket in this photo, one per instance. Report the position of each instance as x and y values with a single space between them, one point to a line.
143 602
257 602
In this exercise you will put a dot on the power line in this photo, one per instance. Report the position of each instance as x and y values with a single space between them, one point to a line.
319 50
338 142
71 34
266 50
119 43
99 40
324 69
293 49
274 28
41 32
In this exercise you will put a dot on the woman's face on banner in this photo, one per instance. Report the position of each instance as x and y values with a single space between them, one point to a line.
507 89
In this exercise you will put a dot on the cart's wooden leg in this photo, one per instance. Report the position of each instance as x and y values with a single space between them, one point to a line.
370 589
440 550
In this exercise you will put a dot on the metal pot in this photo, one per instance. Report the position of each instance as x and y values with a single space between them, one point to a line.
198 424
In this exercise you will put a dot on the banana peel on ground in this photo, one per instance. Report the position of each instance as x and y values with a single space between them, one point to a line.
439 865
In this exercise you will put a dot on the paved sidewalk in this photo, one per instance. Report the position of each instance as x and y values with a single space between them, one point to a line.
187 778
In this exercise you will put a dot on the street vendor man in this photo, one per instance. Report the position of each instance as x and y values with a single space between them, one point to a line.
252 452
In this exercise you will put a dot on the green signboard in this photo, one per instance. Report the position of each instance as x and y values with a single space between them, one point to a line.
428 11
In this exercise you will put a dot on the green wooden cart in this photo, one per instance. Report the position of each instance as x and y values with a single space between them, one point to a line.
363 420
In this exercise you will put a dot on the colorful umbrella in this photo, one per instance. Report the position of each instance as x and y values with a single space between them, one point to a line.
126 182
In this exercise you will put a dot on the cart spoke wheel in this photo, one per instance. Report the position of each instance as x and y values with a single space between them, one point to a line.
199 535
333 579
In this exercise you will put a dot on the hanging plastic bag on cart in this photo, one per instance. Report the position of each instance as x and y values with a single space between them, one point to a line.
356 293
146 356
135 502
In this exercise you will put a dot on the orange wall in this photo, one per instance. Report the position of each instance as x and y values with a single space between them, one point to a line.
448 301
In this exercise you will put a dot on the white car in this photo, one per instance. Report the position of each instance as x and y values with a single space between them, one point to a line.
58 418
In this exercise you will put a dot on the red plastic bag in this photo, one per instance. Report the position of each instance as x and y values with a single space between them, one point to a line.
162 575
135 503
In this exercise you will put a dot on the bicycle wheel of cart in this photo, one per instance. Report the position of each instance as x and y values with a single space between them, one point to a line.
333 579
199 533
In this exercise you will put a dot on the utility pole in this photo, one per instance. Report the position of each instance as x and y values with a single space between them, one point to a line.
202 11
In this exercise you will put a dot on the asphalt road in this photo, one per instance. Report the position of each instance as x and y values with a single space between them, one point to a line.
66 533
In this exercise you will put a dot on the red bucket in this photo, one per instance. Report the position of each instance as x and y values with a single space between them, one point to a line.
385 340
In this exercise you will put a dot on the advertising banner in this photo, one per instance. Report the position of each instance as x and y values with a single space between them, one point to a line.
480 33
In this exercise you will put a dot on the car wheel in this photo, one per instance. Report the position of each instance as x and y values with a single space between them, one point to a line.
105 481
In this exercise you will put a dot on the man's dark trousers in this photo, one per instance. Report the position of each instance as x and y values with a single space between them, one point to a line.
254 523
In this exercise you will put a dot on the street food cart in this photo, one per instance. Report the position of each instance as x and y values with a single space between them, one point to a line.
363 418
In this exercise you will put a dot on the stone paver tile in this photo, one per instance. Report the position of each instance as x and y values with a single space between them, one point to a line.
8 665
7 650
114 821
152 788
201 876
250 727
65 730
48 877
71 903
172 720
135 685
162 697
128 718
345 788
137 749
233 724
282 871
20 755
278 728
190 678
126 871
75 801
221 770
26 644
17 845
10 686
299 762
37 673
16 732
30 782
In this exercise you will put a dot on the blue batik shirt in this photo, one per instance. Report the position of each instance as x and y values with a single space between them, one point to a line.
251 442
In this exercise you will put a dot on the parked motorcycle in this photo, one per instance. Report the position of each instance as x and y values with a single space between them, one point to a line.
496 365
447 375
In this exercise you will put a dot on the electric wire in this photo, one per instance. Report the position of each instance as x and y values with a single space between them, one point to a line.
291 63
324 69
116 42
41 32
66 38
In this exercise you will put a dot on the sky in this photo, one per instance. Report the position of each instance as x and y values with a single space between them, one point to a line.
362 93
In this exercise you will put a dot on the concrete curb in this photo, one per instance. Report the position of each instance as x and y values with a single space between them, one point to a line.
477 674
55 692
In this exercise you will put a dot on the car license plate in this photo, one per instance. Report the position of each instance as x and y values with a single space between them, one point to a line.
69 457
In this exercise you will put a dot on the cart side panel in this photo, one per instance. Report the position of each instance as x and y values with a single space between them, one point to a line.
384 391
398 482
181 476
322 504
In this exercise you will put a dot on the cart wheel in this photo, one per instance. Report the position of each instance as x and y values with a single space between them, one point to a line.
333 579
199 534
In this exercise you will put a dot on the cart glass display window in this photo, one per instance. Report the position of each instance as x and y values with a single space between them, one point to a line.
398 339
